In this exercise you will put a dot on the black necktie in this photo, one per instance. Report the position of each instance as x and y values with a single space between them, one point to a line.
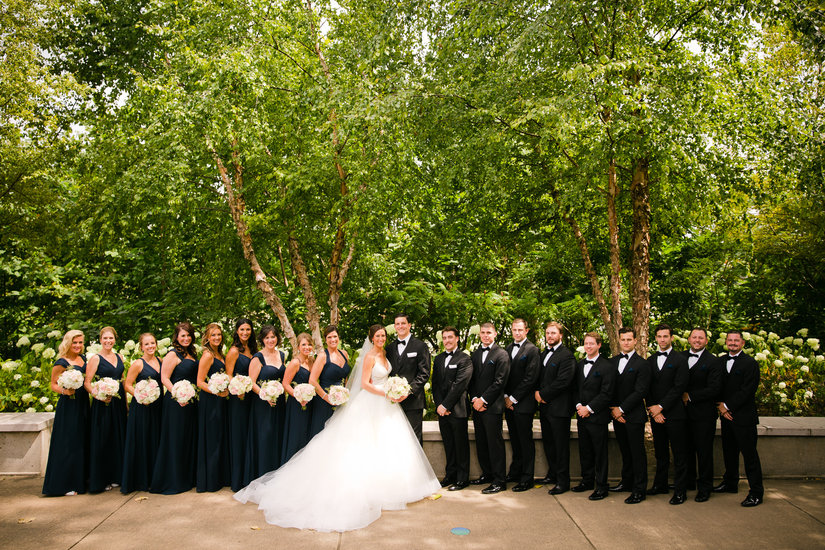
662 353
696 355
624 356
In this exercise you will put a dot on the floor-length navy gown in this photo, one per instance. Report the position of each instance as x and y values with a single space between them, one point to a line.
266 426
213 444
331 375
143 427
239 411
296 423
107 432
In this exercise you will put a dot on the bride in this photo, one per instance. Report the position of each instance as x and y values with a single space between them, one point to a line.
365 460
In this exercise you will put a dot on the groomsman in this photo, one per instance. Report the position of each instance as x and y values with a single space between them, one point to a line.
669 380
739 420
452 370
520 405
703 390
595 376
409 357
630 416
491 365
556 406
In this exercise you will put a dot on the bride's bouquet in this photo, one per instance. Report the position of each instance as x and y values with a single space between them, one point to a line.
240 385
105 388
303 393
338 395
71 379
218 382
147 391
183 391
396 388
270 391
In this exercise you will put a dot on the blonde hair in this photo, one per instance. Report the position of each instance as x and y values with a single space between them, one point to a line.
104 330
304 336
205 340
145 335
70 335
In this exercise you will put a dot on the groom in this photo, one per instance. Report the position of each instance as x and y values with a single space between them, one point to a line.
409 357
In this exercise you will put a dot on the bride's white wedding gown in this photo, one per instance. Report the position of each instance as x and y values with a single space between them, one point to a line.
365 460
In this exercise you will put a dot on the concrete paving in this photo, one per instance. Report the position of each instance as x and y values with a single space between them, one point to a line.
792 516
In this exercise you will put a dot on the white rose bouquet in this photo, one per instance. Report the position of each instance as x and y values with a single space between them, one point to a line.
338 395
240 385
71 379
304 393
271 390
396 388
183 391
218 382
105 388
147 391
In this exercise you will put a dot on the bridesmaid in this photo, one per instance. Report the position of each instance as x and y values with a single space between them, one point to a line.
213 452
239 409
330 369
266 421
68 466
107 426
298 414
144 422
174 470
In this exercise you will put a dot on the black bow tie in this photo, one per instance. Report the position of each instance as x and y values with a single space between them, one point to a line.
624 356
732 357
449 353
662 353
402 342
551 350
696 355
515 345
485 349
591 361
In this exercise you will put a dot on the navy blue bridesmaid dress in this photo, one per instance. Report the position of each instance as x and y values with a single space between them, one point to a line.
296 424
239 411
266 426
174 470
107 432
331 375
213 444
143 427
68 466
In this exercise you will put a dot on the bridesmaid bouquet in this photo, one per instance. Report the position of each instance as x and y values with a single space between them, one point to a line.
240 385
338 395
304 392
218 382
183 391
71 379
147 391
105 388
270 391
396 388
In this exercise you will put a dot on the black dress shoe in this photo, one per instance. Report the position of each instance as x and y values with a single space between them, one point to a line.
522 487
481 481
620 488
657 491
581 487
726 488
597 494
458 485
702 496
634 498
678 498
547 480
493 488
446 482
557 490
752 500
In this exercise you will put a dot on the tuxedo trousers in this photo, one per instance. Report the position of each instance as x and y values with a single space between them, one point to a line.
593 453
490 445
520 427
555 439
631 440
700 453
741 439
670 436
456 447
416 417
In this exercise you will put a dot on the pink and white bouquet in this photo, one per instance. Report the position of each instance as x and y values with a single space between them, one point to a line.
270 391
240 385
338 395
105 388
147 391
183 391
396 388
304 393
71 379
218 382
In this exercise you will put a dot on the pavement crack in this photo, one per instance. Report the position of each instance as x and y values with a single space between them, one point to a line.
92 530
576 523
813 517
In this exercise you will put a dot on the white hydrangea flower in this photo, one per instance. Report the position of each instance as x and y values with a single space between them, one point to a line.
44 400
778 363
787 340
162 351
475 330
773 336
36 369
820 358
720 341
31 410
762 333
18 376
23 341
164 342
130 344
35 384
49 407
760 356
781 385
802 359
10 365
798 342
799 381
784 400
805 368
809 394
803 332
723 335
580 349
48 353
38 347
783 395
26 397
54 334
746 335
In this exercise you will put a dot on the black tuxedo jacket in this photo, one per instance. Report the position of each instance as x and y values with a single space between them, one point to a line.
524 377
414 365
489 379
704 386
450 383
668 385
596 389
557 382
739 388
631 388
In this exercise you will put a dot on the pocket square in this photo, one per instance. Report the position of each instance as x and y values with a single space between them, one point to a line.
412 354
452 366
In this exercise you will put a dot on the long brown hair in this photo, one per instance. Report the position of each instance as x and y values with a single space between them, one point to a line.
190 330
216 352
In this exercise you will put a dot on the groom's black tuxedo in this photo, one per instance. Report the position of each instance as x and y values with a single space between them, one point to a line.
449 385
414 365
488 381
521 388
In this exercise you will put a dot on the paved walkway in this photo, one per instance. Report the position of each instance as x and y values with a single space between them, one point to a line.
793 516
